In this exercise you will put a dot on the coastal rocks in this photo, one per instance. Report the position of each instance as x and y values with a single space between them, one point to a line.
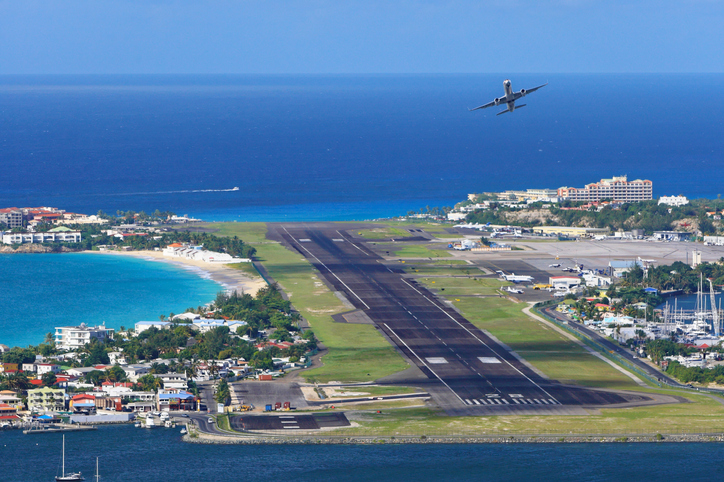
34 248
249 439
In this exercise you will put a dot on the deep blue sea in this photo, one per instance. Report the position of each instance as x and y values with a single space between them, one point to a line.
159 455
345 147
42 291
320 148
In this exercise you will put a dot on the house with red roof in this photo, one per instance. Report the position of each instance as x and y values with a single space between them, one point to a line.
8 413
83 403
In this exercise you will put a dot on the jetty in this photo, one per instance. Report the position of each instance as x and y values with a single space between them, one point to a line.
60 428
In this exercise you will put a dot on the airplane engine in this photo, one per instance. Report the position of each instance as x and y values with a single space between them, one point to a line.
496 100
523 92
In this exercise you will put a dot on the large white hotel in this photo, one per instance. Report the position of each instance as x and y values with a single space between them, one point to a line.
618 189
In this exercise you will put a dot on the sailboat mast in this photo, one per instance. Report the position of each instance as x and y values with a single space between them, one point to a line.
63 455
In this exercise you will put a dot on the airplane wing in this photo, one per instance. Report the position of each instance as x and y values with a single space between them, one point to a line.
528 91
489 104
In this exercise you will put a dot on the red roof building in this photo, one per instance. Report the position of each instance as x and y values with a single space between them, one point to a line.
7 412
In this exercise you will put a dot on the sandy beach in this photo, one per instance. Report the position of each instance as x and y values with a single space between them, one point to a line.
230 278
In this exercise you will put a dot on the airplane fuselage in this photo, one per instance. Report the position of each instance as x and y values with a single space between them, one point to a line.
510 97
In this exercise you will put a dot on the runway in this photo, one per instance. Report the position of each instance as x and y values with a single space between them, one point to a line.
473 370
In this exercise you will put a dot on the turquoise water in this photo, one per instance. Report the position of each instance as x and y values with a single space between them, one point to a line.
42 291
159 455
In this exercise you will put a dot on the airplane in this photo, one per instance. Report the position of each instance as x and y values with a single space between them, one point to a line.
554 265
517 278
517 291
509 98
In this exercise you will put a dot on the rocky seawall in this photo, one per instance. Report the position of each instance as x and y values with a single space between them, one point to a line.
271 440
33 248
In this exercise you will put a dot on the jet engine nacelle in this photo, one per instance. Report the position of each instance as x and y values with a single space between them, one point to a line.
497 101
523 92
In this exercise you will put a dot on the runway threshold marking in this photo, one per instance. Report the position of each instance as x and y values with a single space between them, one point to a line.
476 337
332 272
423 362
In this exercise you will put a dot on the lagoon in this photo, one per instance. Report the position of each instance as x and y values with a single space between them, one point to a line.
42 291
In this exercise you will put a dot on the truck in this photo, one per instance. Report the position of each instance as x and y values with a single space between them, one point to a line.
268 407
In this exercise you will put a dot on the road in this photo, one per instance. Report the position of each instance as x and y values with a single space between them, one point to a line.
474 369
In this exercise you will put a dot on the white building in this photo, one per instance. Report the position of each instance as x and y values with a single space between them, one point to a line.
145 325
453 216
11 217
186 317
72 337
43 368
134 372
173 381
200 254
619 267
204 325
564 282
29 238
117 358
596 280
674 200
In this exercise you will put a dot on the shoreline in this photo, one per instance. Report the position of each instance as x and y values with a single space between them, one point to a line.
230 279
259 439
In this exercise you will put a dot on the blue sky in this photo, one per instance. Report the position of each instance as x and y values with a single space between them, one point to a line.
368 36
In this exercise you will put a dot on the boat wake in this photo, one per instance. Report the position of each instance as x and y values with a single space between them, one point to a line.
235 188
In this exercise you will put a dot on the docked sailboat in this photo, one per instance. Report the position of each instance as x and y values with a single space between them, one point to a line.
67 477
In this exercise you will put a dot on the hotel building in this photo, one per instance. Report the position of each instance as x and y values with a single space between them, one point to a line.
618 189
72 337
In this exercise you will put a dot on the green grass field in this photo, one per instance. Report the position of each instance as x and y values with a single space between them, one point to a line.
443 271
383 233
435 229
247 268
443 262
418 251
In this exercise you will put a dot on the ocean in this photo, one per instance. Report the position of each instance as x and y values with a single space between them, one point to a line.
344 147
158 455
319 148
42 291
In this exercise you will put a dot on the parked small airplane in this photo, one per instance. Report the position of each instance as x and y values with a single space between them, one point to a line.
517 278
554 265
509 98
517 291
